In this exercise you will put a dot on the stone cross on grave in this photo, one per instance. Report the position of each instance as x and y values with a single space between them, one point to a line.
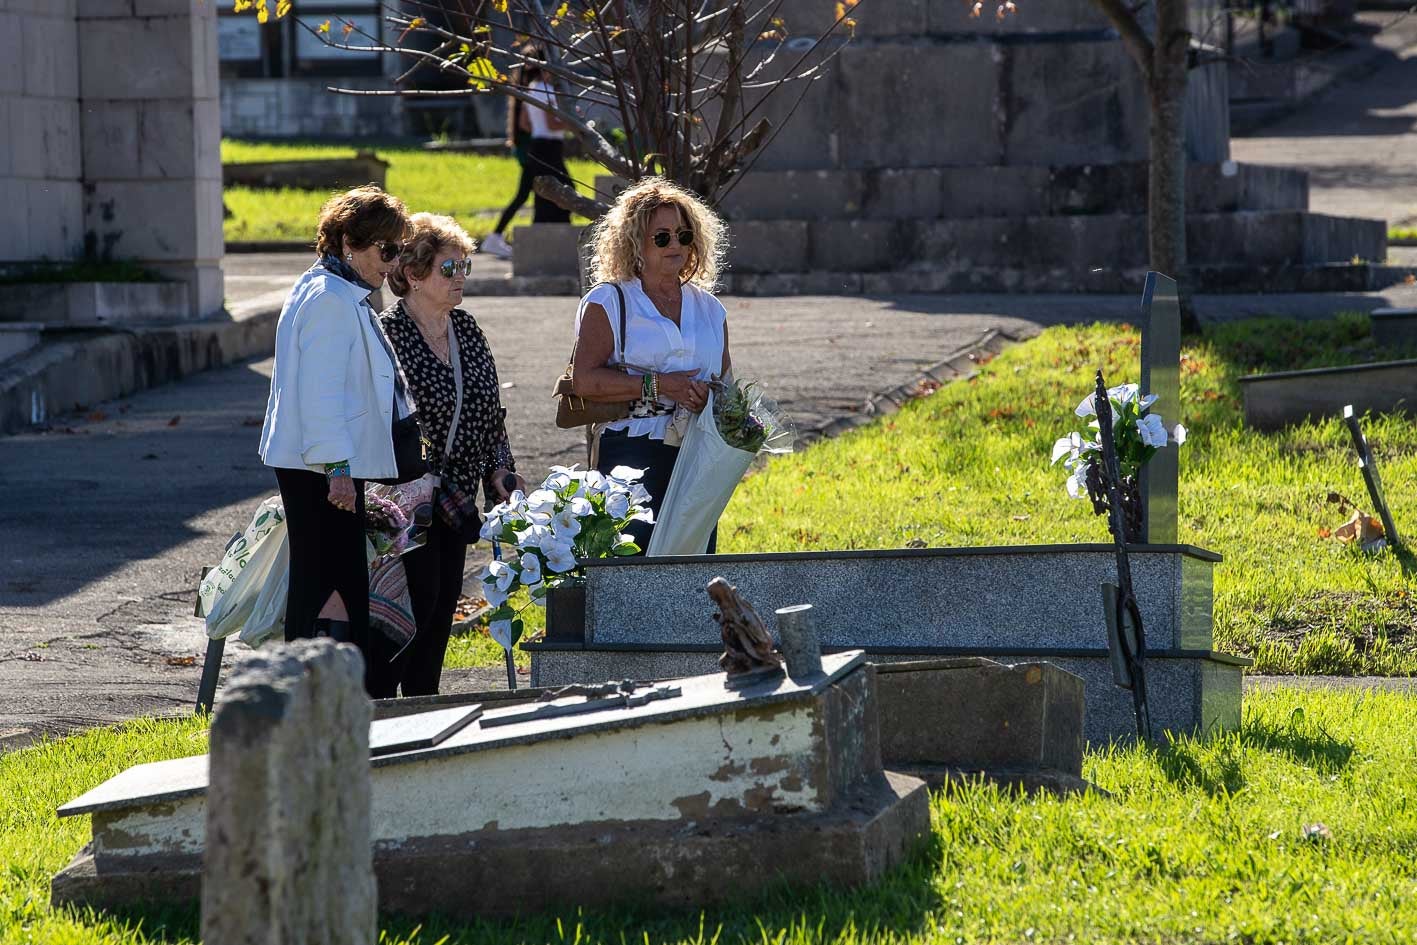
1161 375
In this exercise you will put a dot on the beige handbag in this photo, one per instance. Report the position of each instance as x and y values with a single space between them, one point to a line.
573 411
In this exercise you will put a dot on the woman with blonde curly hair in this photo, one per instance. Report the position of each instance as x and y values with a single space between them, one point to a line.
651 331
445 356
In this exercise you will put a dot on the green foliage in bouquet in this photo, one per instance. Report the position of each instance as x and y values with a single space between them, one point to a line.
738 422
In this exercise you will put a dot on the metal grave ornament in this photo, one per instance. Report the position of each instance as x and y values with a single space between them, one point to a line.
748 652
1126 639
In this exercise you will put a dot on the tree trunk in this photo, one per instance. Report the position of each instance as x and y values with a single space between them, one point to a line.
1166 196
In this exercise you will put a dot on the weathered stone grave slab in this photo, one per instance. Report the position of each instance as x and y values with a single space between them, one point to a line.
1273 401
1395 328
1019 603
424 730
685 800
1019 725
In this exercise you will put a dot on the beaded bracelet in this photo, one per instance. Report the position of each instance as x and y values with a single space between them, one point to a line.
337 470
654 386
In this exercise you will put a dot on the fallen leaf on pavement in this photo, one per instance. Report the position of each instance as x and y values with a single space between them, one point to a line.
181 661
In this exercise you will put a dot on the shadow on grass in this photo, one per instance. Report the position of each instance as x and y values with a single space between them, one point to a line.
900 903
1182 762
1310 746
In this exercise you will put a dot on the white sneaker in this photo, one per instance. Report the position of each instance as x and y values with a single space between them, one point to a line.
496 245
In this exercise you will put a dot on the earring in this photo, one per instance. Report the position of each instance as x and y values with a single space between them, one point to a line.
349 257
415 287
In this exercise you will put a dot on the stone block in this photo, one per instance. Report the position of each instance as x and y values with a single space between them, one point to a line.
993 191
1020 724
55 210
12 60
205 283
14 197
1095 112
111 132
1395 328
768 246
919 83
904 193
154 221
1274 401
104 9
910 600
1075 244
545 249
857 245
151 58
167 141
51 56
16 338
96 303
52 8
44 138
288 856
795 195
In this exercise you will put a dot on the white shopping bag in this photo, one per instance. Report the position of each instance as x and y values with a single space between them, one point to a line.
705 475
219 579
235 605
267 618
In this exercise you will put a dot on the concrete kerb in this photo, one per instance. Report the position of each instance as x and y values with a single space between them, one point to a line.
77 369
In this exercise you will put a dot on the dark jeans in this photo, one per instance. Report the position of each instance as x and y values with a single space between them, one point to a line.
618 448
327 555
523 192
434 585
547 156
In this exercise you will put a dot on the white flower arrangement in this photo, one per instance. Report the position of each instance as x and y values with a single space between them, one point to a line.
1137 432
573 514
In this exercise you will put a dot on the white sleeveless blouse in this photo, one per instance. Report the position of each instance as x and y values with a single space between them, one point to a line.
656 344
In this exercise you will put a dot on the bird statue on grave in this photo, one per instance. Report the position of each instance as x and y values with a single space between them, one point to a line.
748 649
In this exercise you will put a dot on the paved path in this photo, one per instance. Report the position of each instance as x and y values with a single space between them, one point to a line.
1358 140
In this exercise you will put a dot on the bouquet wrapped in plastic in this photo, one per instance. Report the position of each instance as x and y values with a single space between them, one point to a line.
738 422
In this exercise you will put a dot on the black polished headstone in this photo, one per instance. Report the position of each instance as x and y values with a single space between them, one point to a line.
1161 375
1371 479
423 730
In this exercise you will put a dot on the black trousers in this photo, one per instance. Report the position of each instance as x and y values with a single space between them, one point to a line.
618 448
523 192
434 584
327 556
547 156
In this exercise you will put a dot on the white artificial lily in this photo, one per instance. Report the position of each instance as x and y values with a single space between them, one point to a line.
1152 431
499 574
491 527
593 483
1077 482
501 631
1178 434
639 494
531 569
561 559
617 505
565 523
1070 444
580 507
626 474
643 514
492 595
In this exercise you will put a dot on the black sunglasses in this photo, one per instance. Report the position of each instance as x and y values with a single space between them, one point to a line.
661 239
450 267
389 250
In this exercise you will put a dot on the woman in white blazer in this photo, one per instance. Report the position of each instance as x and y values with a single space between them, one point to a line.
335 393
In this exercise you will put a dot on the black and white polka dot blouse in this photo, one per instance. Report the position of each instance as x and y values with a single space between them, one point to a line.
481 446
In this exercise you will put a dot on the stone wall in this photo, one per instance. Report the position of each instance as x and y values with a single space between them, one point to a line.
41 159
303 108
114 138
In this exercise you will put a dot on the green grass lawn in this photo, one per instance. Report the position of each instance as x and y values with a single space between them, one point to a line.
1302 827
473 188
968 465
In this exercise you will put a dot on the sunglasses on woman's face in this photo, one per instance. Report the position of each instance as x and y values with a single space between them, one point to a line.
450 267
662 238
388 250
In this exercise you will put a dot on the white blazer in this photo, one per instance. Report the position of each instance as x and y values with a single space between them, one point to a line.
332 389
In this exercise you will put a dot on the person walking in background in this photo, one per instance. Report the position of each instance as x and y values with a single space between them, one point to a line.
536 138
335 396
446 359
